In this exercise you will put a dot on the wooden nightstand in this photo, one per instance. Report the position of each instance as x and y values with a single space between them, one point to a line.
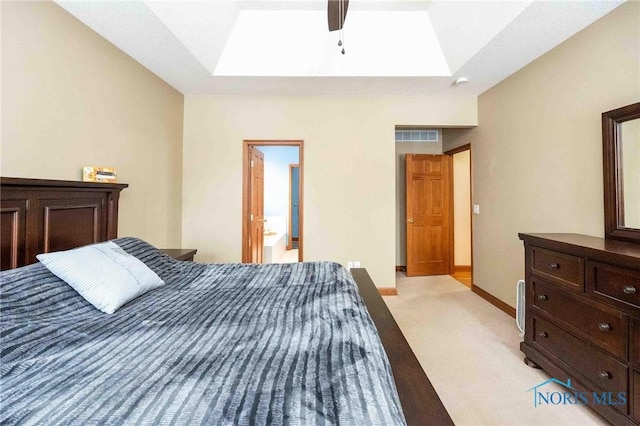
181 254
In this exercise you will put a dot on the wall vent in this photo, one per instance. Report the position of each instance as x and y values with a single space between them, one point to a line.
417 135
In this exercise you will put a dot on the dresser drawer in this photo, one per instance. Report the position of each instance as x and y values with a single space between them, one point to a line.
600 368
635 344
561 268
604 326
619 284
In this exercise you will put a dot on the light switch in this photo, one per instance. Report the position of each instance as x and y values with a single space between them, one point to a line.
476 209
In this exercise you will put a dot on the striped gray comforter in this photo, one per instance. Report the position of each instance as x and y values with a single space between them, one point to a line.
218 344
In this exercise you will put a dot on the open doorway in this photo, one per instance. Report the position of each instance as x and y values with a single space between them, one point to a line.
272 213
405 144
461 236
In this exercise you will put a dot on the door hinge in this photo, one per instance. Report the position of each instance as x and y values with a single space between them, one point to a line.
251 217
251 163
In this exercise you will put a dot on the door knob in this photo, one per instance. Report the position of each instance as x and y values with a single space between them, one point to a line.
409 220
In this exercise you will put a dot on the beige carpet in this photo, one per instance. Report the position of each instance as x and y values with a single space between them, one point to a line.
470 351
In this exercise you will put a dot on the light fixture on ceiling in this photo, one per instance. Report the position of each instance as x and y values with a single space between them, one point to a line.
336 14
460 81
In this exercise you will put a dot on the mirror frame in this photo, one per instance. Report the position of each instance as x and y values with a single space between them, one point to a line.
612 167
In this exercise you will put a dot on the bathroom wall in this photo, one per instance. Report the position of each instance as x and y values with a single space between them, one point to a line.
276 179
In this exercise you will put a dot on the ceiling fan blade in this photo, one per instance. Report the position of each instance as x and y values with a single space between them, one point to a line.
334 8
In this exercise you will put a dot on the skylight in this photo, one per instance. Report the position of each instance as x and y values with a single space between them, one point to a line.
297 43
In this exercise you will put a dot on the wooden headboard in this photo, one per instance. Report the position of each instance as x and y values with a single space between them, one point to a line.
40 216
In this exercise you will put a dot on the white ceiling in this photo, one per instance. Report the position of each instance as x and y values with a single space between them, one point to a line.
397 47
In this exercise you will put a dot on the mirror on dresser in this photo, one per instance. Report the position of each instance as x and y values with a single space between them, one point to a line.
621 165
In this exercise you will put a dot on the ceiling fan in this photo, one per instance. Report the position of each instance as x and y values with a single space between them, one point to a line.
336 14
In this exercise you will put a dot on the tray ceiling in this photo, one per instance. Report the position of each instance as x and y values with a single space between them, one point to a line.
284 47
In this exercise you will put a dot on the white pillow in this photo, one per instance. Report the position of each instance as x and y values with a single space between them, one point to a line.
104 274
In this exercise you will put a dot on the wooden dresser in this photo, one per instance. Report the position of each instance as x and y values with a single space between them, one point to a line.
583 317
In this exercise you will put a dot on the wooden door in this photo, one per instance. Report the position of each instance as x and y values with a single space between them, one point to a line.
428 214
256 208
248 233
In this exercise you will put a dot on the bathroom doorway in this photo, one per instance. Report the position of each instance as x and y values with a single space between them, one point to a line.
272 221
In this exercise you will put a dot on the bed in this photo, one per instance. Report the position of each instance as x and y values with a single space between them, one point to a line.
218 344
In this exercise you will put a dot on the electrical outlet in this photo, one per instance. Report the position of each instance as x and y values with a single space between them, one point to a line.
356 264
349 265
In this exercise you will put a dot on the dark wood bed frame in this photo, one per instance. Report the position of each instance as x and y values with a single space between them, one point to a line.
420 402
39 216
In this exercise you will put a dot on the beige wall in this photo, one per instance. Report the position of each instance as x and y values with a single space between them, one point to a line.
462 208
537 151
455 138
70 98
349 176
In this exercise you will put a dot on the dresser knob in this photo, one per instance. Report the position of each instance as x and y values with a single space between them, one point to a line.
629 289
603 326
554 266
604 375
542 297
543 334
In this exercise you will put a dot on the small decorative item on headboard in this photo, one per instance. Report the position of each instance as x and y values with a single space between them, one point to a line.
99 174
